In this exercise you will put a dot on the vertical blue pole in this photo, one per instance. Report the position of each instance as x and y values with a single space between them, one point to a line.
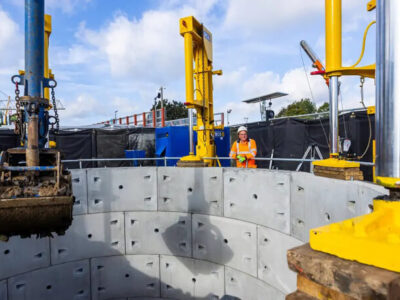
34 47
34 62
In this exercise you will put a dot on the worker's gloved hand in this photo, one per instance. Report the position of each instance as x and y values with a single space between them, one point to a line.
241 158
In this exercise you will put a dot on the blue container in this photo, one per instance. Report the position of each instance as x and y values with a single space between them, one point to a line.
173 141
135 154
223 144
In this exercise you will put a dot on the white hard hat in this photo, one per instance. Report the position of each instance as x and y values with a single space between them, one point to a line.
241 128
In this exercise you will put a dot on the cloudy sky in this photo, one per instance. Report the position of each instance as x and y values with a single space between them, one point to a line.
114 55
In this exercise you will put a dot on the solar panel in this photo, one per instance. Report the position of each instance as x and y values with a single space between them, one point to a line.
265 97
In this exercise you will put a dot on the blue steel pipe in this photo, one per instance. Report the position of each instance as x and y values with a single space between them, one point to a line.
34 47
34 64
32 168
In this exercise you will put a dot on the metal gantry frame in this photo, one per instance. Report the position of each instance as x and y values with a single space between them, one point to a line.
199 96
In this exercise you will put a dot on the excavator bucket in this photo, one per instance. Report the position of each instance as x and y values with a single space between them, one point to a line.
34 200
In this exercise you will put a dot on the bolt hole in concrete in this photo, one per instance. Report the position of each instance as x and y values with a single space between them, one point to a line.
225 241
194 279
255 196
6 251
327 217
48 287
190 190
266 240
121 187
89 236
127 275
156 230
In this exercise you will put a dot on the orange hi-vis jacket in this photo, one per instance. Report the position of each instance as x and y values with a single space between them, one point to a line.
247 149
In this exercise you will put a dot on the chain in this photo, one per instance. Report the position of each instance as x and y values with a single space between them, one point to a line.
18 121
53 98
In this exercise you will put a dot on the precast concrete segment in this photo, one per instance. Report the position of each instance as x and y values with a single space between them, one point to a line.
3 290
125 276
272 262
297 208
244 286
317 201
226 242
167 233
90 236
122 189
195 190
66 281
79 189
258 196
186 278
23 255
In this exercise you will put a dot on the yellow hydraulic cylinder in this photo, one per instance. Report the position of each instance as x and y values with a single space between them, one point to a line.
188 40
333 34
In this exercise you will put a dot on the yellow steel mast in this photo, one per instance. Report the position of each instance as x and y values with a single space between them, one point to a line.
334 69
198 50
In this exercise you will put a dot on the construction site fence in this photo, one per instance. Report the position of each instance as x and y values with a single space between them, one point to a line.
166 159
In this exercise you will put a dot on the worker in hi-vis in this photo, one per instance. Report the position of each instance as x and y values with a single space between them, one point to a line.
244 150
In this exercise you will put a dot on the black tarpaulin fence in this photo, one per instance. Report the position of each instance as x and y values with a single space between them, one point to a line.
287 138
291 137
8 139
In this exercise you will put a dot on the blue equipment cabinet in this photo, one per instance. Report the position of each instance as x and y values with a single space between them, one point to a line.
173 141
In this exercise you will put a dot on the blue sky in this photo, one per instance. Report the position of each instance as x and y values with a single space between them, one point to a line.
114 55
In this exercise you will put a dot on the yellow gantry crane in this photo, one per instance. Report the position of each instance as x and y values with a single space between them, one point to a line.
199 96
373 238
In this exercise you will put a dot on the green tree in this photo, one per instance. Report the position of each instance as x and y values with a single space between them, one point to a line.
174 109
304 106
323 108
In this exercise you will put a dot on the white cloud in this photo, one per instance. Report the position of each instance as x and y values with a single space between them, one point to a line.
11 41
146 49
12 51
263 16
266 15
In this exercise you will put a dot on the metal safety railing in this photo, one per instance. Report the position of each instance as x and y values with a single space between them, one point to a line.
165 159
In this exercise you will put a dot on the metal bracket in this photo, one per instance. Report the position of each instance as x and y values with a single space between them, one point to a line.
47 82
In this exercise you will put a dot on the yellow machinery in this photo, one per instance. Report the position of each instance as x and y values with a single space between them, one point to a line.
373 238
198 50
334 69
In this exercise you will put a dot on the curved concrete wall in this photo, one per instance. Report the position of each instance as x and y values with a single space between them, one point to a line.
179 233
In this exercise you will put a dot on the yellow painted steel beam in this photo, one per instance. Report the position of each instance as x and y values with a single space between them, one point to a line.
333 44
333 34
47 33
372 239
374 159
